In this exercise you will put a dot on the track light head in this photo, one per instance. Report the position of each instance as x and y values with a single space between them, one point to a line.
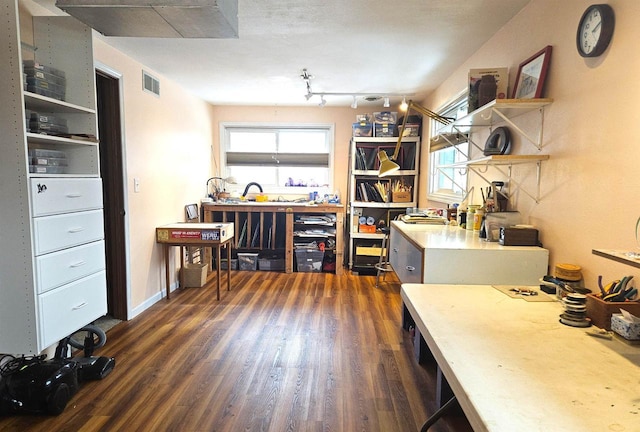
404 105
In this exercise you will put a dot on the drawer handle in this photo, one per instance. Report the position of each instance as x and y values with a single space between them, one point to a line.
74 195
411 268
395 250
76 230
78 264
80 306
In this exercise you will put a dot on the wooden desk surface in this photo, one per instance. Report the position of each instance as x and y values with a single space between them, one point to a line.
514 367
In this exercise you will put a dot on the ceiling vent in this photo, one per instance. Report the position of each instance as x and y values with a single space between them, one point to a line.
150 84
215 19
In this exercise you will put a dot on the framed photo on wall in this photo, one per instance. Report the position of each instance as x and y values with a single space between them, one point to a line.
531 75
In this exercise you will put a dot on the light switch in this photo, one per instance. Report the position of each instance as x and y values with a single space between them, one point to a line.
136 184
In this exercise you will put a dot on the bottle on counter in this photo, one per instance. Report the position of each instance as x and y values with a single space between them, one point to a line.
471 211
477 219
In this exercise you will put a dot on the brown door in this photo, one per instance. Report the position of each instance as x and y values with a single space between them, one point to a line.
111 168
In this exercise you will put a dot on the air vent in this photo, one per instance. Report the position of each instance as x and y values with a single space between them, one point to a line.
150 84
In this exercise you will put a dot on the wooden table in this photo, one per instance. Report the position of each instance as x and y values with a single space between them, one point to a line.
279 218
211 235
514 367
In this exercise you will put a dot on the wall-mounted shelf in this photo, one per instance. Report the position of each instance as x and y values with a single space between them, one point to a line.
624 257
500 111
495 160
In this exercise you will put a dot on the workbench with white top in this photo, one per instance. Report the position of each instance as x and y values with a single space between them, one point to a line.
422 253
514 367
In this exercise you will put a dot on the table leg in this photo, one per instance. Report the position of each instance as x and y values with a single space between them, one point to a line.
166 269
229 266
181 278
218 271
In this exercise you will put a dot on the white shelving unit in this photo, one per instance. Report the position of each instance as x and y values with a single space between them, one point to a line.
52 264
364 247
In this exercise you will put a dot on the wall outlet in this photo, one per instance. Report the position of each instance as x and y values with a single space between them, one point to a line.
136 184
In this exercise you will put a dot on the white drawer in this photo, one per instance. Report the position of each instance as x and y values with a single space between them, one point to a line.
405 258
58 232
63 195
71 307
58 268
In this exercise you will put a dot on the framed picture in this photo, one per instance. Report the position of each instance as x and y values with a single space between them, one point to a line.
192 212
531 75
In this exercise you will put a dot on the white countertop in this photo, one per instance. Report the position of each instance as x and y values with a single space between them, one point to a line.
427 236
514 367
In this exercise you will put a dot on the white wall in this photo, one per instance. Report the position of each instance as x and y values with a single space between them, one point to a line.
589 186
167 144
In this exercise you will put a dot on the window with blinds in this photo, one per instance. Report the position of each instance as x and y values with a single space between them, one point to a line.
281 158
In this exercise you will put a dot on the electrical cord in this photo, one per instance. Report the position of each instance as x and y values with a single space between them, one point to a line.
10 364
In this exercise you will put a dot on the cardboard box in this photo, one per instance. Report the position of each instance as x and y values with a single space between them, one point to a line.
499 75
601 311
625 328
400 196
194 275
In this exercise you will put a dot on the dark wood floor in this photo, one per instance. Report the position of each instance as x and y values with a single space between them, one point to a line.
280 352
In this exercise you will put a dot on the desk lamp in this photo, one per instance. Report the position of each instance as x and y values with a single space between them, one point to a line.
217 190
387 165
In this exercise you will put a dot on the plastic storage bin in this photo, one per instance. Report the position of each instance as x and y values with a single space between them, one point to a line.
248 261
309 260
223 264
271 264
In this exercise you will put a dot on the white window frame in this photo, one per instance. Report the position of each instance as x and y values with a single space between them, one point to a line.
455 108
328 128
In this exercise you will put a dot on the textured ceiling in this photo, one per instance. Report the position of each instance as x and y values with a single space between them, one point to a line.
371 47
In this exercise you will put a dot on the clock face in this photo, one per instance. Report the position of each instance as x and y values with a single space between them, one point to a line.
590 30
595 30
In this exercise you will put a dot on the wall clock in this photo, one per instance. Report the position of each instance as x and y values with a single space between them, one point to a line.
595 30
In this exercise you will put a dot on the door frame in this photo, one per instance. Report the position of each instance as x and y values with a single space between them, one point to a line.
122 292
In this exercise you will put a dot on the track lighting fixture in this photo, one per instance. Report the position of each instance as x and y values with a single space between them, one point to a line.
368 97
